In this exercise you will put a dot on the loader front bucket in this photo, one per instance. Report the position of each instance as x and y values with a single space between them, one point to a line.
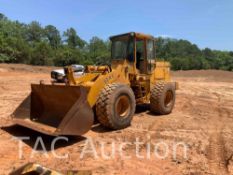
55 110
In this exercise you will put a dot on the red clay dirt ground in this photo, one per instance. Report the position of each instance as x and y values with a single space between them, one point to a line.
202 119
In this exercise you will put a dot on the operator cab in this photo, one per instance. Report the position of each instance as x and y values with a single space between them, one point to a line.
138 49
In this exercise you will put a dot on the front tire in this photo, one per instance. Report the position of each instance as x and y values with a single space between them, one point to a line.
162 98
115 106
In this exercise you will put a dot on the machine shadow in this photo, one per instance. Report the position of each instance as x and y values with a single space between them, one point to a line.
145 108
98 128
32 137
142 108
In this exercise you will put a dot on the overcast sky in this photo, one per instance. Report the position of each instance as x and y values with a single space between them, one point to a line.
208 23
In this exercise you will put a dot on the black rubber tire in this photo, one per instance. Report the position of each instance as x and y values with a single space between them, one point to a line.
106 106
158 98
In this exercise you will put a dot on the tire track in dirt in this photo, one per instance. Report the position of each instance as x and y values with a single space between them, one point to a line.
216 152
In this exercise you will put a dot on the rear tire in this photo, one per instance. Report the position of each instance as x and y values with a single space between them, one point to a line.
115 106
162 98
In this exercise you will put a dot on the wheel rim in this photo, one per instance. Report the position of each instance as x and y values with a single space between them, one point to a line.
168 99
122 106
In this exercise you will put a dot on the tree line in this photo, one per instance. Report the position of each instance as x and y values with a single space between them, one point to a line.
184 55
37 45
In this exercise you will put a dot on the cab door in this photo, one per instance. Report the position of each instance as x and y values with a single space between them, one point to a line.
141 60
150 55
145 55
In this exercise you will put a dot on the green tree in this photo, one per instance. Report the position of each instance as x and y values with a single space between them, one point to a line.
67 56
53 36
99 51
72 39
42 54
2 17
35 32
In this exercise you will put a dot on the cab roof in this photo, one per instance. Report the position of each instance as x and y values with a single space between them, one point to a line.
138 35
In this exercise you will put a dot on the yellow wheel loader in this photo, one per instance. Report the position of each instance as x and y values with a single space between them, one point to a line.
109 93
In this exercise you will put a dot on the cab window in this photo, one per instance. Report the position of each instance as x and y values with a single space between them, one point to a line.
150 50
140 50
119 47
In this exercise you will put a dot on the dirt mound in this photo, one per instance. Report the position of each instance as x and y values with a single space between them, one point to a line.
3 70
207 75
25 68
